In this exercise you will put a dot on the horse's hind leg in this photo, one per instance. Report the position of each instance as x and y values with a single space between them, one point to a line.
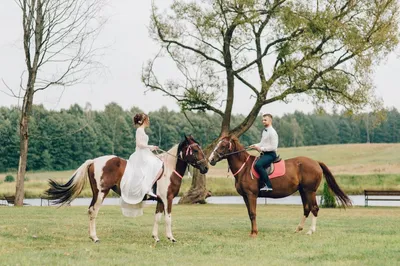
157 219
306 211
94 207
311 198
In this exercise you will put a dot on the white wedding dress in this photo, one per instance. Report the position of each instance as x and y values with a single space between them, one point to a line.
140 173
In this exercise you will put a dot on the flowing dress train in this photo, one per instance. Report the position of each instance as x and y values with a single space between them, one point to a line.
140 174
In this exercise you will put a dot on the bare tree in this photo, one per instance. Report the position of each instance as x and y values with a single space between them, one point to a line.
58 40
277 49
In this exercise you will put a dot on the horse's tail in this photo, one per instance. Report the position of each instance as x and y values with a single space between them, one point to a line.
63 194
344 199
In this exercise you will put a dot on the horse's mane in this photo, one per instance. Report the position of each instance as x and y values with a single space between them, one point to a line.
189 139
238 146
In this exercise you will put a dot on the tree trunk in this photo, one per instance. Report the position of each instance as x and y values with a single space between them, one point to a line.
23 138
248 121
197 192
367 127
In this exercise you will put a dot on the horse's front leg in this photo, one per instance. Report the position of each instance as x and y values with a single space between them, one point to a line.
168 219
157 219
251 204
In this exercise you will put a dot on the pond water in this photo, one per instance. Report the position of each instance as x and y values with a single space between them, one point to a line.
358 200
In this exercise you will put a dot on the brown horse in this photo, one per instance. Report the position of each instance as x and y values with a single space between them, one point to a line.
302 174
105 173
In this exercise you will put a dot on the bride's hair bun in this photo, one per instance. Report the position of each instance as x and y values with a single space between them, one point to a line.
138 119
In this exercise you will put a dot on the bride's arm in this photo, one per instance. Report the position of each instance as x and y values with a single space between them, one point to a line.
141 140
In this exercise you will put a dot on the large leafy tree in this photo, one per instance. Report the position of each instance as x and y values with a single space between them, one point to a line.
277 49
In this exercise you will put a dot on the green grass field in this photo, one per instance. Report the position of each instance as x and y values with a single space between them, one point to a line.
206 234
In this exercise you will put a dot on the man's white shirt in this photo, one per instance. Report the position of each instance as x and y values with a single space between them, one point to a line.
269 140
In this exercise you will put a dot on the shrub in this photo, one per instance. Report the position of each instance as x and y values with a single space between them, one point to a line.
327 198
9 178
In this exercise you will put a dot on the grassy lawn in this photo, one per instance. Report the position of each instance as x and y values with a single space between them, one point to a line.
206 234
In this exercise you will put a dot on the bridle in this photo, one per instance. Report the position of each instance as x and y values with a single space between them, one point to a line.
225 155
189 151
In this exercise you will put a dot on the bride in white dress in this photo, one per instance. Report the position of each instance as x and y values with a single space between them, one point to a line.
142 170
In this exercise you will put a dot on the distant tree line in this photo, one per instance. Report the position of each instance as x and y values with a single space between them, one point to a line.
61 140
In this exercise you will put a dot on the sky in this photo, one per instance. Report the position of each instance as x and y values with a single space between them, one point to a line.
128 48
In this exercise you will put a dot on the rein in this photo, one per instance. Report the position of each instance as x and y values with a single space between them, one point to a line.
188 151
241 168
176 172
245 149
231 153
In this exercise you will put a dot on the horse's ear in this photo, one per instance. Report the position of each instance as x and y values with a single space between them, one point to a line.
185 137
224 135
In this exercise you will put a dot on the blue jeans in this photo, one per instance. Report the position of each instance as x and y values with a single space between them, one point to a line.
265 160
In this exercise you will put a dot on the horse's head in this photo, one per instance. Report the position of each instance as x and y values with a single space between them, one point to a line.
189 150
224 147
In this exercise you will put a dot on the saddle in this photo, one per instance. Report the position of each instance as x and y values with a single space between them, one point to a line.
276 169
270 169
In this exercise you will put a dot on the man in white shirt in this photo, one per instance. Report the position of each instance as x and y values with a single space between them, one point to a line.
267 147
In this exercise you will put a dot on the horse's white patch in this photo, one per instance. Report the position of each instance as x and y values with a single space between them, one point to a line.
313 227
93 211
301 224
169 158
157 219
163 183
215 149
99 164
168 221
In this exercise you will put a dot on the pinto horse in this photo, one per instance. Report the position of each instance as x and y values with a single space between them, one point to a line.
105 173
302 174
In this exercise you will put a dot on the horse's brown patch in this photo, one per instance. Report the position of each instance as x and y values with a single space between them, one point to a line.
113 171
93 185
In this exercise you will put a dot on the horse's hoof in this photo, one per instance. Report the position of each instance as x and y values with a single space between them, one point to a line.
298 229
94 239
253 235
310 232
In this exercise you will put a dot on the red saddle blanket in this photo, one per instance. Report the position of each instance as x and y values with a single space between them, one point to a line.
279 169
